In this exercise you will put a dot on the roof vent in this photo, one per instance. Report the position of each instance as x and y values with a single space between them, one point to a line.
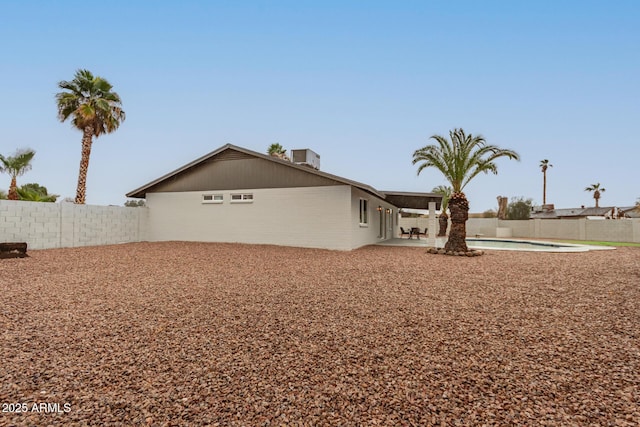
305 157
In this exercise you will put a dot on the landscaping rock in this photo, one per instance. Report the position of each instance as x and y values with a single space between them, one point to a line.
195 334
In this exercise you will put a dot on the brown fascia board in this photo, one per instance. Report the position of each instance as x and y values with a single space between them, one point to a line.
412 194
141 191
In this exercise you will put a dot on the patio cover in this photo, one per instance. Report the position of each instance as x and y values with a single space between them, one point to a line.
412 200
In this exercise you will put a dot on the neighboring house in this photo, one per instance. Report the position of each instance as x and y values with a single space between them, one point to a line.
610 212
630 211
237 195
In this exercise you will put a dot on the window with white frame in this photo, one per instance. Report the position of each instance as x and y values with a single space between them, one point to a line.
212 198
242 198
364 212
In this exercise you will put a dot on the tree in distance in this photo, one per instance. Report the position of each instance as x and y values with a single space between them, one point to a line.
16 165
597 190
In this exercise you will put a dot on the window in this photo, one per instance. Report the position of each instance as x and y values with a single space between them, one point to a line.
364 212
242 198
212 198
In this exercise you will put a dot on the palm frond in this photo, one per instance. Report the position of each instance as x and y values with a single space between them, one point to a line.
88 99
19 163
461 157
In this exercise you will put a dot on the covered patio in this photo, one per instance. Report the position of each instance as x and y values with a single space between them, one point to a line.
423 201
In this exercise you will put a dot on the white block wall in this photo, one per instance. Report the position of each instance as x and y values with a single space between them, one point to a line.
316 217
611 230
57 225
362 235
622 230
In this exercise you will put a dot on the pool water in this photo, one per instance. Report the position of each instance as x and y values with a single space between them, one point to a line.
528 245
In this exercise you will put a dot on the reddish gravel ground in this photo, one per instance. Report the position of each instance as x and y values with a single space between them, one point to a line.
222 334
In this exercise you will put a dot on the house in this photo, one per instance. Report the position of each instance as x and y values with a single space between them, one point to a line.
237 195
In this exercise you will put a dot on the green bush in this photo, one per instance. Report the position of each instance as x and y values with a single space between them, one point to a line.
519 208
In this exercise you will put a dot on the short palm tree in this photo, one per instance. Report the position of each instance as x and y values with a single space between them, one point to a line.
544 165
95 110
443 220
36 193
16 165
597 190
277 150
460 159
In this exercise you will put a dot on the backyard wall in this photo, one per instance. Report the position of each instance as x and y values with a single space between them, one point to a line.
622 230
59 225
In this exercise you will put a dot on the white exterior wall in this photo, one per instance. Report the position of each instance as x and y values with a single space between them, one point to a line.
314 217
370 234
58 225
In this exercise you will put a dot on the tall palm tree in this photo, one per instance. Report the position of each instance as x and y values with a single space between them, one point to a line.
544 164
597 190
95 110
460 159
16 165
443 221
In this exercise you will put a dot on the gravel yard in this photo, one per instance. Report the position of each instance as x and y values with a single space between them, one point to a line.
222 334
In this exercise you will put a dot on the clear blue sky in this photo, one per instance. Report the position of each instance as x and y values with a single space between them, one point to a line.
363 84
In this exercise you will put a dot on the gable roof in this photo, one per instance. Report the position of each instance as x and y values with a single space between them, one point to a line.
409 200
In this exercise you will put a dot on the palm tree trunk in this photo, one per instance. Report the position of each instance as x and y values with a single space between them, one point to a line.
459 208
544 188
81 190
444 223
13 190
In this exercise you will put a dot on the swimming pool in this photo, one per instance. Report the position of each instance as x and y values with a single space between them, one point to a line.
529 245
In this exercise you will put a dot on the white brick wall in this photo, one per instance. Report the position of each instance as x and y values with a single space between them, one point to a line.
55 225
370 234
316 217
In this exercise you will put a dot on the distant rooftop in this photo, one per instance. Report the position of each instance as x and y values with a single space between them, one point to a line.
582 212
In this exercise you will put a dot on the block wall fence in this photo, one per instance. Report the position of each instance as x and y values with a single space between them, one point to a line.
60 225
610 230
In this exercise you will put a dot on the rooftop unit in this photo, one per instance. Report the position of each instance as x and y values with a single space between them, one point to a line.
544 208
306 157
